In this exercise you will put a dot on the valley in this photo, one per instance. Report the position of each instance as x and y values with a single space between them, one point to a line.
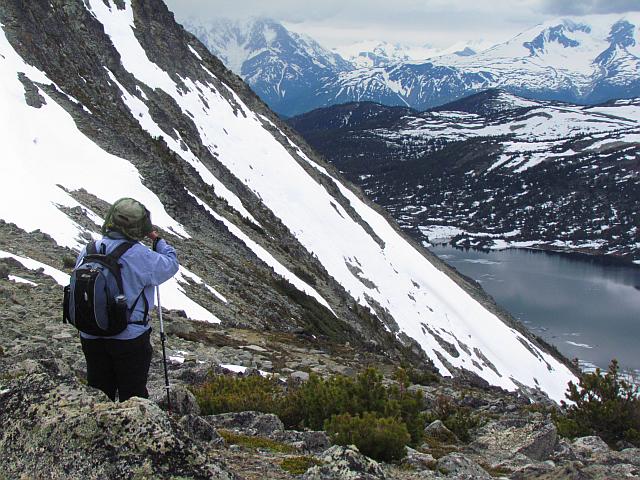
494 170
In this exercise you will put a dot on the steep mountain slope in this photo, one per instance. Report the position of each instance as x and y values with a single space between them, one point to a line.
107 99
281 65
500 169
588 60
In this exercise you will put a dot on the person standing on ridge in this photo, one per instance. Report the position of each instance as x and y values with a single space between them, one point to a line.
119 364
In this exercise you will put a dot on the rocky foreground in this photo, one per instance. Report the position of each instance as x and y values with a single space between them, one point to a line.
53 426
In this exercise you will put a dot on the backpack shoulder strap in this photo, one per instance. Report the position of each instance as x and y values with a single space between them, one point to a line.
144 322
121 250
112 261
91 248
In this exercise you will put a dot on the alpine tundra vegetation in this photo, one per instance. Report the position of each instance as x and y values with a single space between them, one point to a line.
287 272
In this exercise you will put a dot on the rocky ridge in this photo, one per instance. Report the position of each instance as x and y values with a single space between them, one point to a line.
54 426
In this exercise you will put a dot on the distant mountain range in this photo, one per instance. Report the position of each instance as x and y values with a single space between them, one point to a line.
588 61
493 169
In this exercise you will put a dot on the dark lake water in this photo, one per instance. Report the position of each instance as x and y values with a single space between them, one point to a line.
588 309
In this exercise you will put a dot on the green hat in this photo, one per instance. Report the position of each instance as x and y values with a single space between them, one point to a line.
129 217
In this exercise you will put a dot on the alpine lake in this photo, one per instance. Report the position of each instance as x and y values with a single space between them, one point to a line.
588 308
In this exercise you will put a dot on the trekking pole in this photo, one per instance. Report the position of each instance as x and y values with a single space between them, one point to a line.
164 352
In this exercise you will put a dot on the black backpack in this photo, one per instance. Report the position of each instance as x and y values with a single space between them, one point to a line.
94 301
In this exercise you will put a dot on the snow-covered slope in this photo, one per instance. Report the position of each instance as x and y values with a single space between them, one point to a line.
220 176
587 59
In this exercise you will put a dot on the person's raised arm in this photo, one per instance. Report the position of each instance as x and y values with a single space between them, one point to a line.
162 261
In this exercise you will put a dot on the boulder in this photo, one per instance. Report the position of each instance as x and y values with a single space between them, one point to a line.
439 431
534 437
345 463
299 376
609 472
586 447
183 402
198 428
570 471
305 442
196 374
248 423
533 470
563 452
456 465
630 456
418 460
55 427
4 270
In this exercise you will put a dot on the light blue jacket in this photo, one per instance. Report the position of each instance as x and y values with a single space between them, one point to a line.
142 269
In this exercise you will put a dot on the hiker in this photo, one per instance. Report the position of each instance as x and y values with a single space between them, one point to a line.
120 363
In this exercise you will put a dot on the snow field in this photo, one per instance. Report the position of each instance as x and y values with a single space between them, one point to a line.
60 277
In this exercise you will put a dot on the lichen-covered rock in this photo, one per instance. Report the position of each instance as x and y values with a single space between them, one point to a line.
199 429
249 423
570 471
578 471
418 460
183 402
608 472
4 270
511 463
629 456
533 470
586 447
299 376
563 452
54 427
534 437
456 465
439 431
345 463
305 442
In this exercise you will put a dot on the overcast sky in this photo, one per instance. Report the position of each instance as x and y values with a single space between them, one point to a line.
441 23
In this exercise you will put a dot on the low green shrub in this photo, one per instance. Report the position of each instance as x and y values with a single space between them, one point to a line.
313 403
460 420
603 405
298 465
380 438
420 377
222 394
318 399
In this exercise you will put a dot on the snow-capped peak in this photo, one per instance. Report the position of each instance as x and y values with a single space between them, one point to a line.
236 42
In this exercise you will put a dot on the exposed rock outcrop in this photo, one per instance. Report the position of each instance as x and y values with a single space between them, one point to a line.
55 427
345 463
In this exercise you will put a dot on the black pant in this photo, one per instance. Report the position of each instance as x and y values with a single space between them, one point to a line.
120 366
